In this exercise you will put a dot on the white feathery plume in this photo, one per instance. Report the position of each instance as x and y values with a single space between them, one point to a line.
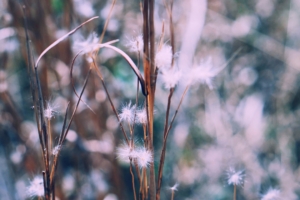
144 157
163 57
203 73
171 77
36 187
125 152
174 187
142 116
235 177
135 44
127 113
49 112
272 194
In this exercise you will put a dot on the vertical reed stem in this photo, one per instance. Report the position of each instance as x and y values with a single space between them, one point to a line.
234 192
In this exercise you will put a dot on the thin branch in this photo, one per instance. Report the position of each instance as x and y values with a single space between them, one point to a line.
162 156
132 65
110 101
132 179
107 21
61 39
182 97
65 131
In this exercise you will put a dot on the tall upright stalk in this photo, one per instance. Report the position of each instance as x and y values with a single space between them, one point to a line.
149 73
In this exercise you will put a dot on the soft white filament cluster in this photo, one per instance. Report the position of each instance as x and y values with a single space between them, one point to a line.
141 154
135 44
171 77
49 111
203 73
56 150
174 187
142 116
127 113
163 57
235 177
91 44
36 187
272 194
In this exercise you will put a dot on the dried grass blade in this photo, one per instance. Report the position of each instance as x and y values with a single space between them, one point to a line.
61 39
132 65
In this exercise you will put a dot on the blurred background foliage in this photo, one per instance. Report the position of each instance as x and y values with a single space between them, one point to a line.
249 121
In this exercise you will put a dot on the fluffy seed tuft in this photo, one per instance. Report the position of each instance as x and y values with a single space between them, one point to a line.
142 116
235 177
135 44
127 113
174 187
272 194
49 112
163 57
171 78
144 157
36 187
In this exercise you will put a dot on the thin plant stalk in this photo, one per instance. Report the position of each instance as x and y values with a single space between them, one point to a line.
234 191
132 179
65 130
149 74
172 195
162 158
163 152
49 134
110 101
45 137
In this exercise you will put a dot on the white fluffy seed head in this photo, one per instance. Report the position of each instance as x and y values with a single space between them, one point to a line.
49 112
171 77
36 187
235 177
203 73
90 45
127 113
272 194
125 152
163 57
142 116
135 44
143 157
174 187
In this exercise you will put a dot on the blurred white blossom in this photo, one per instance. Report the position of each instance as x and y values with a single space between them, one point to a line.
163 57
235 177
36 187
135 44
272 194
203 73
171 77
127 113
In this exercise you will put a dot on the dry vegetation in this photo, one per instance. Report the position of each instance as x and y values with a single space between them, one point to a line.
149 99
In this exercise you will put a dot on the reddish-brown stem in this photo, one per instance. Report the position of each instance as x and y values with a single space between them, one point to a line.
182 97
132 179
162 156
110 101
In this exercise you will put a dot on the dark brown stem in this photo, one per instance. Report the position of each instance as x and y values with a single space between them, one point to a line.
65 131
162 156
132 179
107 21
182 97
45 137
110 101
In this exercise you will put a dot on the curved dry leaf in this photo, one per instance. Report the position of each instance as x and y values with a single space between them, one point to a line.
132 65
61 39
